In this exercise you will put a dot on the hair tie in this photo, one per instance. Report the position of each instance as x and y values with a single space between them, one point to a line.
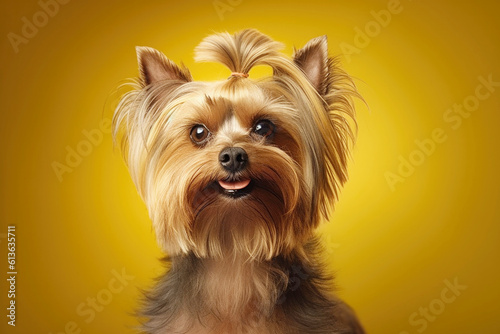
239 75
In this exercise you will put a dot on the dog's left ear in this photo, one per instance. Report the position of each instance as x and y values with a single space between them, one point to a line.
156 67
313 60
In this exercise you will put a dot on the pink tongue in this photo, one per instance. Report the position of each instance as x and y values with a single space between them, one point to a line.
234 185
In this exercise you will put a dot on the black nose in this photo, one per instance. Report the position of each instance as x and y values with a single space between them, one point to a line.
233 159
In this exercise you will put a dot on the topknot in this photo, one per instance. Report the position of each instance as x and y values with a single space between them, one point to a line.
239 52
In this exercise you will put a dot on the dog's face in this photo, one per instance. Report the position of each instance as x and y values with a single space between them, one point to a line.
237 166
233 171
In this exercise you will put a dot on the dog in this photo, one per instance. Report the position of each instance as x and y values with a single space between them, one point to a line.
236 175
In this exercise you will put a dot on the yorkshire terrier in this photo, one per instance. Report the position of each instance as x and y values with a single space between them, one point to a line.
236 175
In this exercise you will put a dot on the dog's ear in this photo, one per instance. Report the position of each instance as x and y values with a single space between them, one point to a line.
156 67
313 60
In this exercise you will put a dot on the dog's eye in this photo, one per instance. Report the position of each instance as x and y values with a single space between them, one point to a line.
199 134
264 128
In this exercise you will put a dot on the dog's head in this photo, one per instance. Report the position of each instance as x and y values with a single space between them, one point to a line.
238 166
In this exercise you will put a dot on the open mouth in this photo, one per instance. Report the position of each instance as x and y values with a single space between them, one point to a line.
235 188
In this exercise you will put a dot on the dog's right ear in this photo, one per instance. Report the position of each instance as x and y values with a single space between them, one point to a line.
156 67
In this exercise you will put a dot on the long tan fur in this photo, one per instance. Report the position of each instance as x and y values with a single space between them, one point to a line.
247 244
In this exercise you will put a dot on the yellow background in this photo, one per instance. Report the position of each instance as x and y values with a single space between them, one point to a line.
392 250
